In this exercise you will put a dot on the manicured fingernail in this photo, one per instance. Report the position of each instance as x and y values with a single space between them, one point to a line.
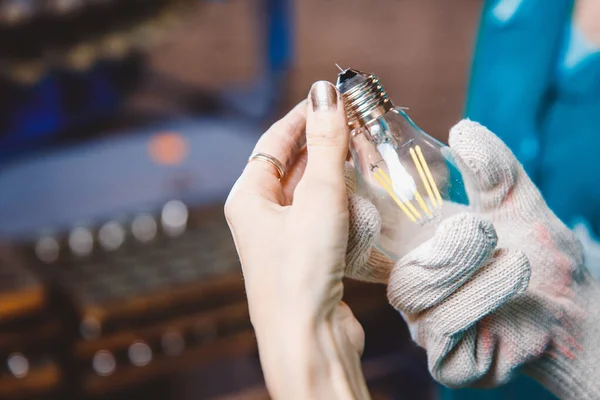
323 96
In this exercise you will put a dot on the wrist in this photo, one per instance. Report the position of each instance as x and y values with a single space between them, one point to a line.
303 358
292 360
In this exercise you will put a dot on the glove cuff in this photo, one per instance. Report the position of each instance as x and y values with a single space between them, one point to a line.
573 371
564 378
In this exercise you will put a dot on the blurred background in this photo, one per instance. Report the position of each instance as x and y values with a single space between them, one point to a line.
123 125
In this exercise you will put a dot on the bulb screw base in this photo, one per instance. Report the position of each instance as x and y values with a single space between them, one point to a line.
364 97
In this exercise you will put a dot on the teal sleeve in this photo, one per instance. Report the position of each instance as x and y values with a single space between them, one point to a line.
514 64
571 135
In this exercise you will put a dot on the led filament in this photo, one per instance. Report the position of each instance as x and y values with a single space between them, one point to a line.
404 203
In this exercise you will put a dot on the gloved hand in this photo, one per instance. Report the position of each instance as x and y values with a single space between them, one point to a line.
496 289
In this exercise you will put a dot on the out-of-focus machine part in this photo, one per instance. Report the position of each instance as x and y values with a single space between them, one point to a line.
67 65
140 252
40 36
64 64
33 345
154 295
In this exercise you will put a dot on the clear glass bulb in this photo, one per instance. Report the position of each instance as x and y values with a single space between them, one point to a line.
409 176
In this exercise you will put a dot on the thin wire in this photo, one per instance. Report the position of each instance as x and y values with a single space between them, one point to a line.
394 197
422 203
340 68
423 177
402 198
429 176
420 200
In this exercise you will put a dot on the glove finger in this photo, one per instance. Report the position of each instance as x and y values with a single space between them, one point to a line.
505 275
451 360
493 176
350 178
437 268
362 261
379 267
490 351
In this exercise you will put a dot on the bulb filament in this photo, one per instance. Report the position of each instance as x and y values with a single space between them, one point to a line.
401 201
405 206
425 175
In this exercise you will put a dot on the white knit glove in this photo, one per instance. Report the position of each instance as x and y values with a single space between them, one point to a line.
497 289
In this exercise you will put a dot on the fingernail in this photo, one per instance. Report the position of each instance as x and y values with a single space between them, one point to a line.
323 96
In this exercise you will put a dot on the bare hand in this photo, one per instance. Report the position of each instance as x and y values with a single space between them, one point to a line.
291 236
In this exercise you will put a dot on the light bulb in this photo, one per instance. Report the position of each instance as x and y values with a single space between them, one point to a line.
409 176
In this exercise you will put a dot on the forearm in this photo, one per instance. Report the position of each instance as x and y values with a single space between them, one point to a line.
315 362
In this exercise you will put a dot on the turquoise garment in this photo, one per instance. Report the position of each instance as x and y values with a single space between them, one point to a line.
535 82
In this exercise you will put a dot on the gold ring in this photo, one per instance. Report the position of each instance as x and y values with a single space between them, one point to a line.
271 160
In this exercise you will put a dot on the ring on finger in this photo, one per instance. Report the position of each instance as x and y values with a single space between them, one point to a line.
264 157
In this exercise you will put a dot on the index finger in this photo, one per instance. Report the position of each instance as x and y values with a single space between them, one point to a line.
283 140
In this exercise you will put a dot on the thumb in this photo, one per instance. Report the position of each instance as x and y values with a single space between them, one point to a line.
326 137
493 176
